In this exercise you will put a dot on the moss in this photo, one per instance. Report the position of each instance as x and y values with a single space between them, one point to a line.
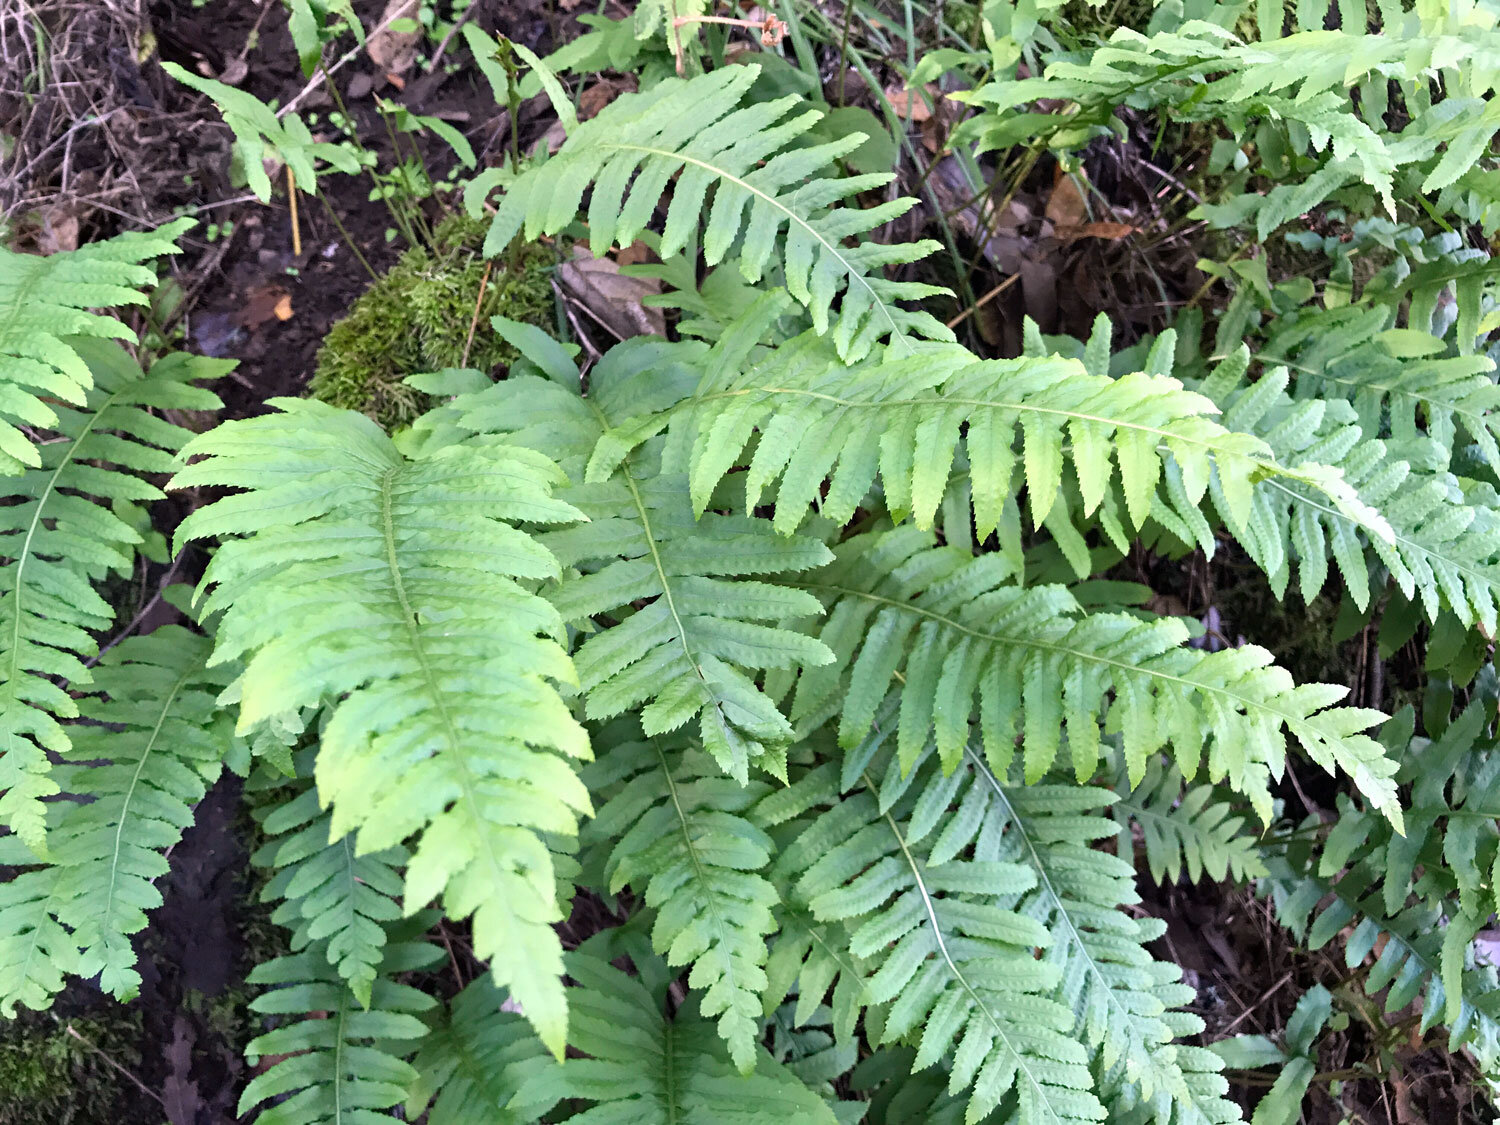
49 1074
416 318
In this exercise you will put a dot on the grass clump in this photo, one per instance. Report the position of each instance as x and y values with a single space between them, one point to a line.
416 318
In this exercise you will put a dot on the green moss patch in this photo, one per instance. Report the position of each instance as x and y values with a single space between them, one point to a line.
416 318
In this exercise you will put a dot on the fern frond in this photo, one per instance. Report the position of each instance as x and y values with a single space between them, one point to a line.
46 302
60 537
955 627
1398 379
329 893
37 953
953 963
1421 896
1443 541
762 181
392 589
339 1061
694 622
1203 72
153 719
1184 827
901 418
472 1065
648 1070
684 845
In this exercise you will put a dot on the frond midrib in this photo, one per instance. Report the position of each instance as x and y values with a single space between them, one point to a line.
942 944
1046 646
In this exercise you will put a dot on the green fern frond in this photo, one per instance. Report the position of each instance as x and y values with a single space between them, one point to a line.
393 589
955 627
44 303
763 183
60 537
37 953
950 963
472 1065
1398 379
1422 895
685 593
684 845
1444 532
1203 72
646 1069
329 893
904 419
339 1061
1184 828
153 719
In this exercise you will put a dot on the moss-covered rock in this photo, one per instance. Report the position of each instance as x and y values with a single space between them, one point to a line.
416 318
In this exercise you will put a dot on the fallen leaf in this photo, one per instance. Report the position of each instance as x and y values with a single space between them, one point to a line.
601 93
607 297
390 50
263 304
1110 232
59 228
910 105
1066 207
633 254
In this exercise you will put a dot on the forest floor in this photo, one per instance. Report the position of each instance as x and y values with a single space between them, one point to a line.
113 144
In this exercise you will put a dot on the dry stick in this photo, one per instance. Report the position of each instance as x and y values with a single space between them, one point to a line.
986 299
474 323
1250 1011
138 1083
291 195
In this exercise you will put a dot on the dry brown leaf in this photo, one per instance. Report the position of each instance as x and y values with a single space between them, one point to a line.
263 304
911 105
1066 207
553 138
59 228
601 93
633 254
1110 232
390 50
605 296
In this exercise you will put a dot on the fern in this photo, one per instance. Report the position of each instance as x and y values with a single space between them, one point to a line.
472 1065
163 742
338 1061
644 1068
762 182
46 303
688 639
1184 827
901 417
330 895
60 540
954 627
681 841
440 683
1202 72
1443 529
